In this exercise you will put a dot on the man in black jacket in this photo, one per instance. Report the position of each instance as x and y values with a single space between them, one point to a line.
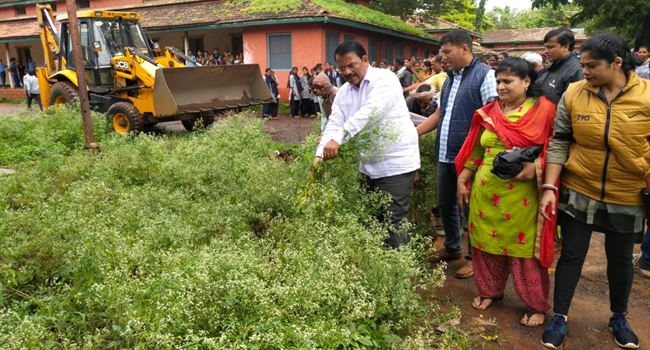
566 68
403 73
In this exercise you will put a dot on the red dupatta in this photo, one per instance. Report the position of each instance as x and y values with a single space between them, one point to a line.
533 128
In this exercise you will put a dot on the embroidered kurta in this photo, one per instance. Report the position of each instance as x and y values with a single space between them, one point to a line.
503 213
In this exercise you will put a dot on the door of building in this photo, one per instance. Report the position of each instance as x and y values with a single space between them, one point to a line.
23 55
237 44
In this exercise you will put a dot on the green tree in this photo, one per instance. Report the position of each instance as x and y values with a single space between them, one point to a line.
461 12
401 8
504 17
480 14
545 16
464 19
629 18
549 16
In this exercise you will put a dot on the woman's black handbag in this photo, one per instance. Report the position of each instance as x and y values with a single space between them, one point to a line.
507 165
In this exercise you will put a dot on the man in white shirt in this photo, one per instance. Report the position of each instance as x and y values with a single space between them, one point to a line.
374 95
30 82
535 59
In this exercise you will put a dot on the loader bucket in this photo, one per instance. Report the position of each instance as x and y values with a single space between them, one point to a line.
185 90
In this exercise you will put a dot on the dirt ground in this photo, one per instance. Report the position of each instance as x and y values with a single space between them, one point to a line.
588 315
288 130
8 108
283 129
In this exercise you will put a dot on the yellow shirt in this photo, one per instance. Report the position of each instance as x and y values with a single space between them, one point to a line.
437 80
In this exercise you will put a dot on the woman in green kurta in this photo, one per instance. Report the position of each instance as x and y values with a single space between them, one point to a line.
503 213
501 221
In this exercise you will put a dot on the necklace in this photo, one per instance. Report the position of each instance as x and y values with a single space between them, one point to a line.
507 109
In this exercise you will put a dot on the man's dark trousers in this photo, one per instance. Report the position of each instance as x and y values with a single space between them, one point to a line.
399 187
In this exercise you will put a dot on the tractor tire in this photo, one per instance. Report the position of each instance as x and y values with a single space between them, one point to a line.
208 120
64 93
124 118
188 124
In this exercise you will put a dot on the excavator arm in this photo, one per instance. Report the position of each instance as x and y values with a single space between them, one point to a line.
172 57
177 54
134 65
50 38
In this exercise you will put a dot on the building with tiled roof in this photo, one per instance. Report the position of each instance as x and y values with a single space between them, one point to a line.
276 34
437 27
517 41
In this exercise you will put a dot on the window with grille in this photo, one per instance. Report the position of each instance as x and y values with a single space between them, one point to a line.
372 50
83 4
279 51
331 43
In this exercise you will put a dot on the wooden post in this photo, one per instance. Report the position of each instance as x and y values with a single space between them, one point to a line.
84 103
186 43
8 76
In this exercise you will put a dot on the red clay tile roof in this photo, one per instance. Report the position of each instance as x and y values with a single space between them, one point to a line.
437 24
163 14
521 35
482 50
23 27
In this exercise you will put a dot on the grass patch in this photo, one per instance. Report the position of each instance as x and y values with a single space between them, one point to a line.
366 15
267 6
14 101
198 240
339 7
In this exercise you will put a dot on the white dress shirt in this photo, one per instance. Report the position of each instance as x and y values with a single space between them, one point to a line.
378 97
400 71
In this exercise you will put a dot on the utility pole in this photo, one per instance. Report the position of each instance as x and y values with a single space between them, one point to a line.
84 103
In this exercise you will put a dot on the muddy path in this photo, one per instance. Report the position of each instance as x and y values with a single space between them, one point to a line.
588 315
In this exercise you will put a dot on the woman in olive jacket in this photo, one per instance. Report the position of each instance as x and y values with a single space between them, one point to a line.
600 153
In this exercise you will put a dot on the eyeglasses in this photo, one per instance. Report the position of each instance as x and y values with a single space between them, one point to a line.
343 69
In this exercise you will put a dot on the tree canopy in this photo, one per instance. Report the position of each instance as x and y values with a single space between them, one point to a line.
628 18
545 16
462 12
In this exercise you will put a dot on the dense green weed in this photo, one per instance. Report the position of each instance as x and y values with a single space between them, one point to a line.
204 240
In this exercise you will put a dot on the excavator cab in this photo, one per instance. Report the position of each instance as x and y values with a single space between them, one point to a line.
101 40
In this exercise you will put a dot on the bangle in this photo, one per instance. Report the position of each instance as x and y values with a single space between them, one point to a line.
550 187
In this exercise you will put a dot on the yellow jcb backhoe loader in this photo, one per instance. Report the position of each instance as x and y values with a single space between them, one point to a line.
130 83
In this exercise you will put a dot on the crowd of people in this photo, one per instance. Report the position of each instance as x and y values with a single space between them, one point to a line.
524 145
216 58
22 77
15 71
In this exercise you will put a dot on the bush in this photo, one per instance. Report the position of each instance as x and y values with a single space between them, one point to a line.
31 136
204 240
424 197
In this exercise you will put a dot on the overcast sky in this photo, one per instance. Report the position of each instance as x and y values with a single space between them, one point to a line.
518 4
